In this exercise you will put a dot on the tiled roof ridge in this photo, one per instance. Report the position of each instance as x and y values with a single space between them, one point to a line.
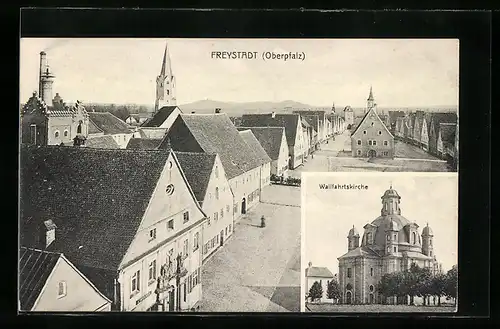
260 127
42 251
196 153
91 149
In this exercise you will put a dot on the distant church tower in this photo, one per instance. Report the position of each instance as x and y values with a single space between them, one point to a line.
370 102
165 83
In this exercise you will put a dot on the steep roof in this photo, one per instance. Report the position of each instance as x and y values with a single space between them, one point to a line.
197 168
364 118
360 251
143 143
35 267
254 145
93 129
109 123
96 198
313 120
448 131
320 114
102 142
288 121
443 117
269 138
394 115
319 272
215 133
159 117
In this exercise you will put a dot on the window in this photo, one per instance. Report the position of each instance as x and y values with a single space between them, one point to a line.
152 234
216 171
372 288
195 278
386 153
61 292
364 132
388 237
395 249
186 247
359 152
79 129
386 143
56 134
430 242
380 132
369 142
430 253
222 212
66 133
33 134
170 224
216 215
388 249
228 208
349 272
371 272
185 288
135 282
217 193
374 143
226 230
414 238
359 141
229 228
152 272
209 221
186 216
196 241
395 237
372 124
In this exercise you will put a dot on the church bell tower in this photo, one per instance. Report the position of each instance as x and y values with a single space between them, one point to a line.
370 102
165 83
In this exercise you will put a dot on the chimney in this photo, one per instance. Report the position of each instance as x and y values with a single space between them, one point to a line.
217 110
310 264
48 234
273 114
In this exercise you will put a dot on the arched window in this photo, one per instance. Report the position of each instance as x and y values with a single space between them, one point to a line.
371 287
56 134
359 152
380 132
216 172
414 237
217 193
79 129
359 141
430 242
66 133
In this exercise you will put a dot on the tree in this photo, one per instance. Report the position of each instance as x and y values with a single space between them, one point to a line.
424 288
438 286
333 290
451 284
316 291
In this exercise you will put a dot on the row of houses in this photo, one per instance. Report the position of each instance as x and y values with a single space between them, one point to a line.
435 132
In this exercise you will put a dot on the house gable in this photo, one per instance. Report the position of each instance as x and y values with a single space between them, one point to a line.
81 294
366 124
164 206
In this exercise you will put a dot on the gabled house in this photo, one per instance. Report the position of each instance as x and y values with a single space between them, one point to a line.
314 122
143 144
372 138
135 236
207 178
348 117
446 140
260 154
293 130
307 133
215 133
437 119
49 282
393 119
323 276
417 128
426 125
273 140
160 122
105 123
322 128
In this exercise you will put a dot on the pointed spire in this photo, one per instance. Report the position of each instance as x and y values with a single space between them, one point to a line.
164 62
370 97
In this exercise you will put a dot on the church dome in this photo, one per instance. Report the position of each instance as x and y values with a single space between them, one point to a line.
393 226
391 193
386 223
353 232
427 230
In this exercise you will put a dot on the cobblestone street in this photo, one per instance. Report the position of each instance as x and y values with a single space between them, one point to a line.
258 269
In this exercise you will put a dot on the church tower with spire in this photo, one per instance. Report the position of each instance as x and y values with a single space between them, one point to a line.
165 83
370 102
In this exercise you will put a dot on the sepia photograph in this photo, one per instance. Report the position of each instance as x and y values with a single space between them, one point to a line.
164 175
384 242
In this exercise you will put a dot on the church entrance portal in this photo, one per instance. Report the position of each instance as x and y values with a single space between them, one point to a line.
348 298
243 206
372 154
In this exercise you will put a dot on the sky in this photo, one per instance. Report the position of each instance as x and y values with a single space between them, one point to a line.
403 72
328 215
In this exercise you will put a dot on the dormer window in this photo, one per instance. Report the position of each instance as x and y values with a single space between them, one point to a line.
50 233
152 234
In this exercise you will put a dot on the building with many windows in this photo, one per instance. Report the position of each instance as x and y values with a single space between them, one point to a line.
136 237
389 244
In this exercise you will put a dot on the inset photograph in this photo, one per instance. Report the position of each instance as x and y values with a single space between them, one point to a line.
385 242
